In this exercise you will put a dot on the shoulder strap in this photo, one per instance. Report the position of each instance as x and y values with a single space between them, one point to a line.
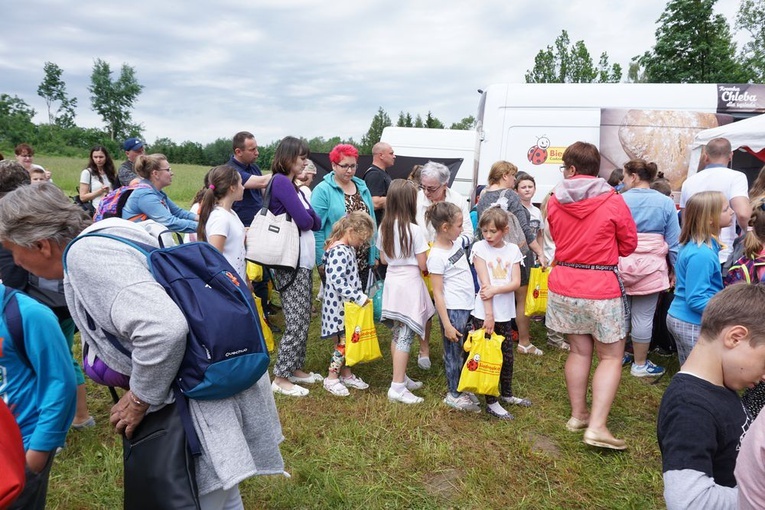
15 326
145 249
267 194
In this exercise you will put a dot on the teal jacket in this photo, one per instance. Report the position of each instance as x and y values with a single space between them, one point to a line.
328 200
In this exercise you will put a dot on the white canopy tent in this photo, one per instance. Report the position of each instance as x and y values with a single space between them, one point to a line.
744 134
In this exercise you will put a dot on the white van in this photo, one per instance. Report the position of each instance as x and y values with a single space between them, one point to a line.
438 144
531 125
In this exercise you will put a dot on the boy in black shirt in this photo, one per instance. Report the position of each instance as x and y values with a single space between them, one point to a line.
701 419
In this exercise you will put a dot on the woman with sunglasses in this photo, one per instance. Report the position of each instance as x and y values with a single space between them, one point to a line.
338 194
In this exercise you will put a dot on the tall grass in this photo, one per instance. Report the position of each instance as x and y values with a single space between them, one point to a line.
364 452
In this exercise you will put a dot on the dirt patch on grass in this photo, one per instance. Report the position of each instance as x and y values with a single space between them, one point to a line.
443 484
540 443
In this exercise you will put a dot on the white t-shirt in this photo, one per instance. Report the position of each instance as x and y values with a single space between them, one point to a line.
459 292
455 198
95 184
307 242
730 183
227 224
419 245
499 262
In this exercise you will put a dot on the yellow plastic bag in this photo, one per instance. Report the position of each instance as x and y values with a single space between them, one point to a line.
481 371
254 272
536 296
426 275
361 345
268 335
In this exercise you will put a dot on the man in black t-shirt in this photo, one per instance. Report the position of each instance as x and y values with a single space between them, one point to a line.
377 179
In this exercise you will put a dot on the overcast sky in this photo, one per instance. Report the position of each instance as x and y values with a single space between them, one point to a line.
303 67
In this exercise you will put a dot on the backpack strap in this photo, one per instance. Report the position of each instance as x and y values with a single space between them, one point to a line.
12 316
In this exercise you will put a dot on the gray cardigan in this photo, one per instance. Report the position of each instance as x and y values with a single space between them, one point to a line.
240 435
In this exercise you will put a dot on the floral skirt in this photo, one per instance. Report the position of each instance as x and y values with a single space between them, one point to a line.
602 318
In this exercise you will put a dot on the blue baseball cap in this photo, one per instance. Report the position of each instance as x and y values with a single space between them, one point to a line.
132 144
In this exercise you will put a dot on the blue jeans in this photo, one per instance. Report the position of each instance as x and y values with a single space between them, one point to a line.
454 355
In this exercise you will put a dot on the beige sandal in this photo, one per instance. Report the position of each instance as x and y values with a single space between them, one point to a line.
530 349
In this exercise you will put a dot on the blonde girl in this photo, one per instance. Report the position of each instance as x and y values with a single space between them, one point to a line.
342 284
697 270
498 264
454 294
406 305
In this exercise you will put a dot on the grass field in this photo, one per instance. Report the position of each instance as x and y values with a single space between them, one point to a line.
364 452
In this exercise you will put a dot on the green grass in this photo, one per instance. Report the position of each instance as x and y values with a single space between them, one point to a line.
187 179
364 452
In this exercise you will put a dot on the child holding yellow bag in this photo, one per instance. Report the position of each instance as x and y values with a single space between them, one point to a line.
454 294
499 274
343 284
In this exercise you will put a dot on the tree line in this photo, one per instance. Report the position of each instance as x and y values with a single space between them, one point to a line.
693 45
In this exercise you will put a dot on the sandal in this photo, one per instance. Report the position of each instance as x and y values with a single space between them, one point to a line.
530 349
336 387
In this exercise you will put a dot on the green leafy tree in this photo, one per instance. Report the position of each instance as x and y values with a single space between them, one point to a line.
15 120
113 99
380 121
571 63
465 123
53 90
418 123
693 45
751 18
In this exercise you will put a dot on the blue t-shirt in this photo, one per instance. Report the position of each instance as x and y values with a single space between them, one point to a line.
42 399
252 199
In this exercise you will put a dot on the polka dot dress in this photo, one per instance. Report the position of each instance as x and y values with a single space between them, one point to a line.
343 284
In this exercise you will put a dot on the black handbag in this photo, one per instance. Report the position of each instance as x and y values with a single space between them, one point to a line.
159 468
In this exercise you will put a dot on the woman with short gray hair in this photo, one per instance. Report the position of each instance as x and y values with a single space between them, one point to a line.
109 288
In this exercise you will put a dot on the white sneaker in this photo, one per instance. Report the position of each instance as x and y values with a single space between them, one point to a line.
354 381
462 403
472 397
335 387
423 362
413 385
296 391
405 397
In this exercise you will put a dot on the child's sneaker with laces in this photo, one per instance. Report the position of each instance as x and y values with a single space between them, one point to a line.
354 381
462 403
627 359
647 370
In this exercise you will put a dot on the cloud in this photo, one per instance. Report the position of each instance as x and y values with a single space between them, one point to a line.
303 67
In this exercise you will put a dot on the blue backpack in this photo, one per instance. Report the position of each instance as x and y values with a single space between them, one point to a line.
225 350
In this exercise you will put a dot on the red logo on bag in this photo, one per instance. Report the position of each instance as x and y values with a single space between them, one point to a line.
536 292
472 364
356 335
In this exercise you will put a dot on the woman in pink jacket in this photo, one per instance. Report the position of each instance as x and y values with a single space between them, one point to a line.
646 272
592 227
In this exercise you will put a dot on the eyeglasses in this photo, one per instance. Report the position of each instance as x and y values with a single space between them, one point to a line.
563 168
169 169
350 166
430 189
25 155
